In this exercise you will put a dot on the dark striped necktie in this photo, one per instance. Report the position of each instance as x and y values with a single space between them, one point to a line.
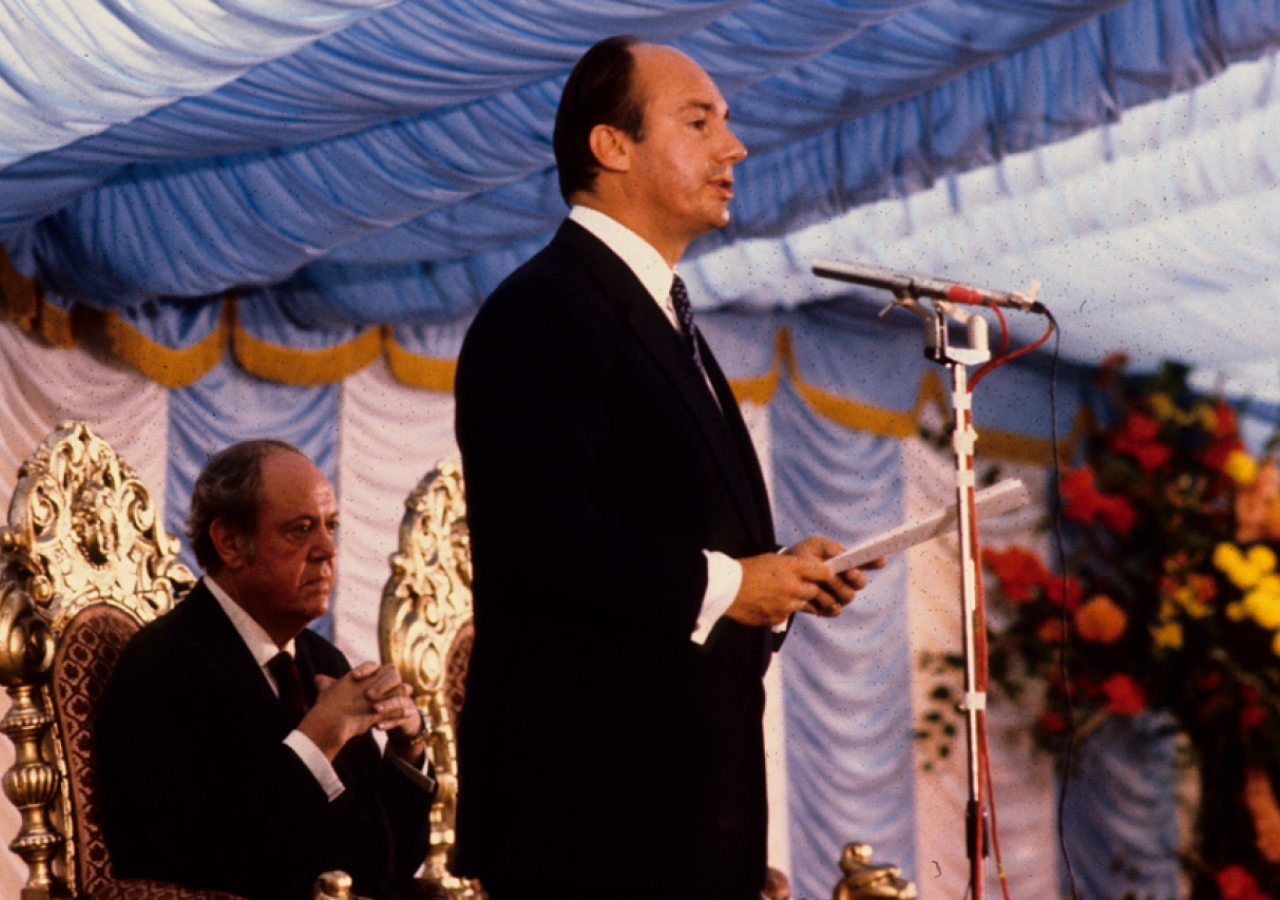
684 314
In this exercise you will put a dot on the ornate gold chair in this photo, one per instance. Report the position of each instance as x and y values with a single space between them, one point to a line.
424 628
84 563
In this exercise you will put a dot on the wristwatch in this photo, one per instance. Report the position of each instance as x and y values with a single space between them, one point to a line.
396 738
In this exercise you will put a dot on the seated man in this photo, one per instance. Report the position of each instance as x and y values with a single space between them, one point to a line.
226 765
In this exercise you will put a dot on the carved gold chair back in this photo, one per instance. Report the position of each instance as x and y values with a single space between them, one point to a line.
84 562
425 629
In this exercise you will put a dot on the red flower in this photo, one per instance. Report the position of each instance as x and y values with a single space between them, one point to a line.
1216 456
1227 427
1071 599
1125 696
1226 436
1251 717
1138 438
1117 513
1052 723
1080 495
1085 503
1236 883
1018 570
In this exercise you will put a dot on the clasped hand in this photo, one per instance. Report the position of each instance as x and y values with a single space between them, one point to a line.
369 696
777 585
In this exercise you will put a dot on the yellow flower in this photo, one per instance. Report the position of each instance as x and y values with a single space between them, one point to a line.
1167 635
1208 416
1241 467
1162 407
1264 608
1235 612
1275 644
1262 558
1230 562
1243 570
1187 598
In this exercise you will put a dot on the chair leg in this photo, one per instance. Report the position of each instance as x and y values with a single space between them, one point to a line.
30 784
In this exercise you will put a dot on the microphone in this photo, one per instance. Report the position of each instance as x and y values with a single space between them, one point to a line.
920 286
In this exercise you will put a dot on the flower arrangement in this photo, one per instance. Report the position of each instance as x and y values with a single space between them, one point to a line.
1169 601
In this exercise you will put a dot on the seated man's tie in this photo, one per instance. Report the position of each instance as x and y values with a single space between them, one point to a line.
285 671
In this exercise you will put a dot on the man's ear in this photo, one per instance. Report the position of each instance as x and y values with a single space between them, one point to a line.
230 544
611 148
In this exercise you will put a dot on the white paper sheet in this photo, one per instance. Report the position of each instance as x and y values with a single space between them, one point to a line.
992 501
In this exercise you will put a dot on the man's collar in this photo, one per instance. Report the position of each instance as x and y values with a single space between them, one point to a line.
639 255
254 635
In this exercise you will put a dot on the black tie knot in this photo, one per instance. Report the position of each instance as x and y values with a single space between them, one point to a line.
285 671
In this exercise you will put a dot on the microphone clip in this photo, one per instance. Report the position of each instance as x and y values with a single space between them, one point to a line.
937 341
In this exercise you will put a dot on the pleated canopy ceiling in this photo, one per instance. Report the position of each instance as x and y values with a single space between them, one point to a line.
345 163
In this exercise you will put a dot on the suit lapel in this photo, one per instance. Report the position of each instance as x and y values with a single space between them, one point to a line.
742 438
660 340
231 660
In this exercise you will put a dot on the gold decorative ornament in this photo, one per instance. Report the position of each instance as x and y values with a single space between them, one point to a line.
82 537
425 630
334 885
864 880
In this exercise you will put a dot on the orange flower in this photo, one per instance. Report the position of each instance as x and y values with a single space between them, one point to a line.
1258 506
1205 586
1050 631
1265 811
1125 696
1101 621
1018 570
1138 438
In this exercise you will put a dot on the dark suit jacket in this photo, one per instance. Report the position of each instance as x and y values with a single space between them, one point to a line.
199 789
599 746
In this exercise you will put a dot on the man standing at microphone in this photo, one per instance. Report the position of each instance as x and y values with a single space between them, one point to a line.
629 592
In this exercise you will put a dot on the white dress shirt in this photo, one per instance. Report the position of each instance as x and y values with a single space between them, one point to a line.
263 650
724 573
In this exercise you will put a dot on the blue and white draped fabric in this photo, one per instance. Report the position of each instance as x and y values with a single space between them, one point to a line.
388 163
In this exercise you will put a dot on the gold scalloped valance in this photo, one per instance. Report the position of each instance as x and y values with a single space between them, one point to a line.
25 305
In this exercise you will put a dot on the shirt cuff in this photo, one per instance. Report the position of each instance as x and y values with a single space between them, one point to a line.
412 772
314 760
724 577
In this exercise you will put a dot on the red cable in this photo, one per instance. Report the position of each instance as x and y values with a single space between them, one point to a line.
980 642
1001 358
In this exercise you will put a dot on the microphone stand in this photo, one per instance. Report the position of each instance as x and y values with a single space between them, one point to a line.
938 348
